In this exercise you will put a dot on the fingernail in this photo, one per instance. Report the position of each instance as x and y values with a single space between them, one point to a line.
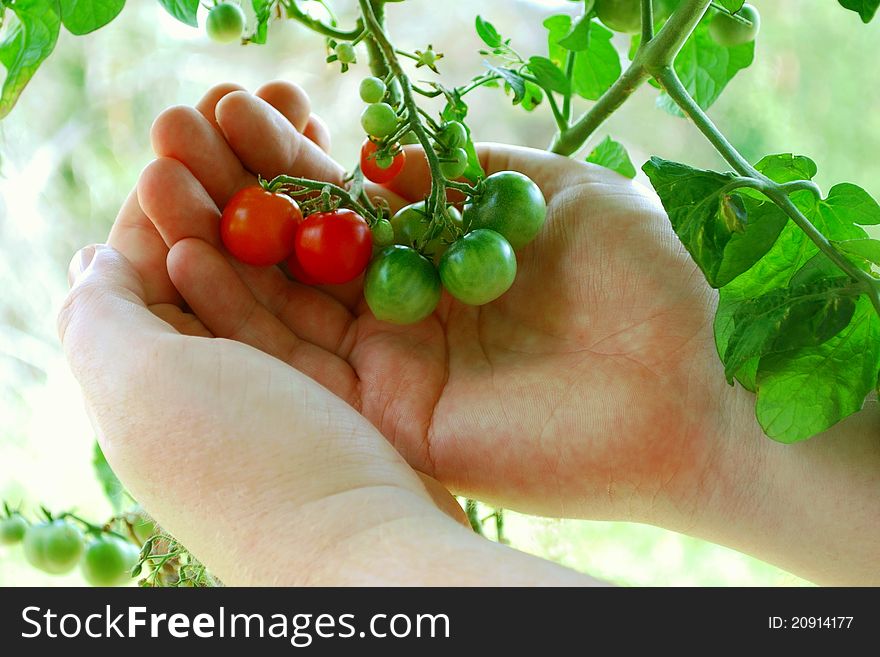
80 262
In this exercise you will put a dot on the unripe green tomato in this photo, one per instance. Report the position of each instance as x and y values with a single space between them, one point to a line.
457 166
401 286
379 120
225 22
510 203
620 15
372 90
143 527
409 137
383 233
108 561
12 529
428 57
452 135
410 223
479 267
345 53
54 547
729 32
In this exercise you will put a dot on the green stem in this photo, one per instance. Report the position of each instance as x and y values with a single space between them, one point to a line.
470 509
647 20
654 55
436 202
777 193
569 75
316 185
294 12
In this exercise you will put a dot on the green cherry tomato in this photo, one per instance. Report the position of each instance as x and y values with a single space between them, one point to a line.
12 529
54 547
372 90
142 525
620 15
452 135
428 57
729 32
379 120
401 286
409 225
225 22
107 561
409 138
510 204
479 267
383 233
345 53
456 166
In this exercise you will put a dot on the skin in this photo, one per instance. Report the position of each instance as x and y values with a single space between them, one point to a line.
590 390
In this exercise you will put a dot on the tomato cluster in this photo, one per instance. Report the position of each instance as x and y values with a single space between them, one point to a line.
470 254
57 546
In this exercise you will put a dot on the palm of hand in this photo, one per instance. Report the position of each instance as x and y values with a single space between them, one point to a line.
570 390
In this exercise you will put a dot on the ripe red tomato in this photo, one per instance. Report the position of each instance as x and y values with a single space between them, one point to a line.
334 247
297 272
372 166
258 227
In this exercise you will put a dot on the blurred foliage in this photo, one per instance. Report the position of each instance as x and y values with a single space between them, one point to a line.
72 149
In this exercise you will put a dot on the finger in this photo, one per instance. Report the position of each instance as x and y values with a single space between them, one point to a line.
135 237
183 323
224 303
266 143
290 100
177 204
318 132
184 134
444 499
208 102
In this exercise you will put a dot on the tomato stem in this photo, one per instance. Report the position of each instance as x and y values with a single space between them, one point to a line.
347 199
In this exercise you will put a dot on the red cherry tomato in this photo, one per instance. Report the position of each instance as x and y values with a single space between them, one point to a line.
371 166
259 227
334 247
296 270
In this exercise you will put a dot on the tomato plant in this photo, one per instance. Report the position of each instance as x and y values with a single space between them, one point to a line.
12 529
334 247
53 546
379 120
737 29
411 222
384 167
479 267
372 90
508 203
258 226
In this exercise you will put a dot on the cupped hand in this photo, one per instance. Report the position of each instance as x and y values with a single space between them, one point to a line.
587 390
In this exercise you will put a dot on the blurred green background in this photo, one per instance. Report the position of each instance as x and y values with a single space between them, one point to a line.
73 147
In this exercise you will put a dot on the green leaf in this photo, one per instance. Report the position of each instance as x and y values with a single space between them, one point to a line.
183 10
864 8
805 392
788 318
732 6
786 167
864 248
84 16
514 81
578 37
596 68
262 12
113 488
723 243
612 155
487 32
558 27
548 75
859 207
27 45
705 68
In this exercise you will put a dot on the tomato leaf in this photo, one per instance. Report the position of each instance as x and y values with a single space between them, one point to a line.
612 155
804 392
597 67
803 315
487 32
558 27
27 44
725 232
578 37
112 487
705 68
732 6
514 81
84 16
864 8
549 76
183 10
865 248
